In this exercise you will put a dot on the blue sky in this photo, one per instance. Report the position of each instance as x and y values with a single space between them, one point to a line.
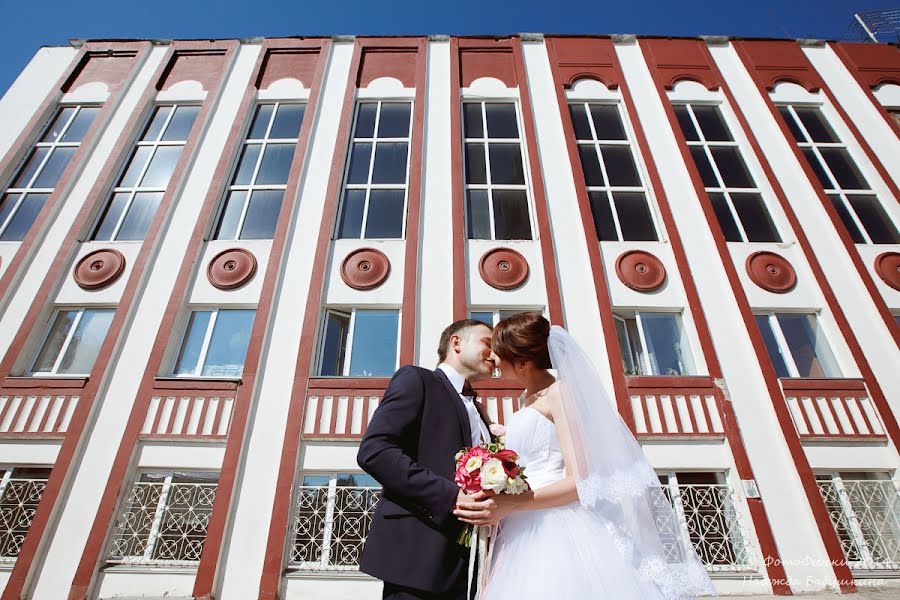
32 24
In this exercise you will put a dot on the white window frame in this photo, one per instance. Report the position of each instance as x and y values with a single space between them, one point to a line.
369 186
204 349
132 191
51 150
783 346
348 351
722 188
608 189
835 189
489 187
496 310
263 143
623 314
65 346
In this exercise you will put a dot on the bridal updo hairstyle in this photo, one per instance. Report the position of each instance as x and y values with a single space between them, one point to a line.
522 338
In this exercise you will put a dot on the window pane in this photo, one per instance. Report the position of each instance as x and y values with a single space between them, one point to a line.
356 480
635 219
365 120
726 219
54 168
7 206
630 346
755 218
687 125
359 163
620 166
192 344
352 214
792 124
511 220
111 217
607 122
81 124
161 166
385 216
30 168
287 122
580 122
156 123
316 480
814 121
476 172
244 173
813 160
180 126
276 164
731 167
712 124
506 164
262 215
627 359
775 355
85 345
136 164
59 123
228 345
873 217
394 120
24 217
603 217
808 346
478 213
501 120
390 163
54 342
706 173
667 344
485 317
844 169
847 219
590 164
260 121
140 215
472 124
374 343
334 345
231 216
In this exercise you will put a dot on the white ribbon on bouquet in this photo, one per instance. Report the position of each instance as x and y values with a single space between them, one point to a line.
483 547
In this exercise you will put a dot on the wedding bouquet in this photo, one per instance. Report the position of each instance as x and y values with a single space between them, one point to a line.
488 468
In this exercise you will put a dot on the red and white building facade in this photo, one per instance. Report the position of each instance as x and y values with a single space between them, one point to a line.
213 255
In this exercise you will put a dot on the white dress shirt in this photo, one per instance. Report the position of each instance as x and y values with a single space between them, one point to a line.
476 423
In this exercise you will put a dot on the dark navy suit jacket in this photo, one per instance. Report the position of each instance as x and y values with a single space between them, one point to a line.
409 445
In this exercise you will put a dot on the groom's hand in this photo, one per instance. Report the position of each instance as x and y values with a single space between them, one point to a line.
481 509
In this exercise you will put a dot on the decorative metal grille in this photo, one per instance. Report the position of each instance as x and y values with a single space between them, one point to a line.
714 525
19 499
866 517
163 522
330 526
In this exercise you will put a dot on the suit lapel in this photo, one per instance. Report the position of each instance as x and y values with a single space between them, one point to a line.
464 428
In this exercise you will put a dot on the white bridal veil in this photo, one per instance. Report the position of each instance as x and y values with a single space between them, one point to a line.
617 484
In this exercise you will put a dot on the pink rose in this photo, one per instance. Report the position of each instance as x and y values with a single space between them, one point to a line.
498 430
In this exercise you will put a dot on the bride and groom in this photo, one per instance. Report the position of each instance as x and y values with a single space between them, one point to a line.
595 523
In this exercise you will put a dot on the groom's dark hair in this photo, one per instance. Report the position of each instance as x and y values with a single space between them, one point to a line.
455 328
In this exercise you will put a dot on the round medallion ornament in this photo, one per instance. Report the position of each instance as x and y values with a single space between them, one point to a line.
887 265
771 272
503 268
365 269
640 270
99 269
231 269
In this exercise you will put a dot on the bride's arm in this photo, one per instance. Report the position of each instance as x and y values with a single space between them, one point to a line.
483 510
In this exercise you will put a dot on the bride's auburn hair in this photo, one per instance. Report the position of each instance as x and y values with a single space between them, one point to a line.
523 337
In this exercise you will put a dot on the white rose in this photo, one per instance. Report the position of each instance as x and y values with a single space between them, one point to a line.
493 477
515 485
473 464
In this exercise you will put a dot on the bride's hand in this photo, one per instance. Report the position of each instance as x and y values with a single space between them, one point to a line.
481 509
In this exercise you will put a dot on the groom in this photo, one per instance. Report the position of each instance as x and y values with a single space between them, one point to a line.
424 419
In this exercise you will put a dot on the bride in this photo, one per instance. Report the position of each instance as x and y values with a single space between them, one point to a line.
596 523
